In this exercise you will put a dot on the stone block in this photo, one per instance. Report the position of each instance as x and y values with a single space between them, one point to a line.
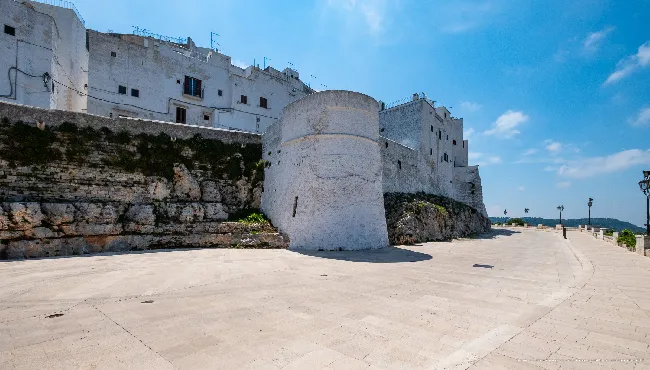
25 215
83 229
159 189
40 233
58 213
141 214
643 245
215 212
210 192
185 212
186 187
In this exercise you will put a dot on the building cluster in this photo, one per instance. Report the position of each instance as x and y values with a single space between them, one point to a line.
49 59
52 61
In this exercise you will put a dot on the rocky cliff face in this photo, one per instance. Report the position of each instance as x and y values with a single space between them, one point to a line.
416 218
91 184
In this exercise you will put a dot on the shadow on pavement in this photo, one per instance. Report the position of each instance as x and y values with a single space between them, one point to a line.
495 233
384 255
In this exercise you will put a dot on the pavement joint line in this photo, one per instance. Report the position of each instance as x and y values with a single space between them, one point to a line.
583 280
131 334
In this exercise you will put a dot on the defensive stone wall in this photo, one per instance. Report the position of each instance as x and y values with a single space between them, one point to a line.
73 183
323 184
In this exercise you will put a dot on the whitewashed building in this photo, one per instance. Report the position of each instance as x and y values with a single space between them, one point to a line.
52 61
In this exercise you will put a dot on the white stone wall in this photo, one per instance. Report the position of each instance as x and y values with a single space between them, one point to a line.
324 184
468 188
70 62
30 50
158 69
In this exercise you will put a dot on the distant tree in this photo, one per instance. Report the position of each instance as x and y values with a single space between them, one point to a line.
516 221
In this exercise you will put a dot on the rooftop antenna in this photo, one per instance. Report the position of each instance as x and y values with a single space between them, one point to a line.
311 76
214 41
292 66
265 59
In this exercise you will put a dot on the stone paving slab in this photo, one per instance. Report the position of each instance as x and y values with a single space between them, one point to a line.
515 299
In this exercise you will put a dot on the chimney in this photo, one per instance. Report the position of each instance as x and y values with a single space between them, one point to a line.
416 96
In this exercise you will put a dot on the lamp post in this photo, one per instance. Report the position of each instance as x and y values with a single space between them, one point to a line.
560 208
645 188
590 203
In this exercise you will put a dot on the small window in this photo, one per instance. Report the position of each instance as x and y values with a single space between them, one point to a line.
263 102
454 142
243 99
122 90
10 30
387 144
431 128
399 164
206 117
220 92
295 206
135 93
463 143
439 135
113 54
430 151
447 137
181 115
445 114
192 87
178 82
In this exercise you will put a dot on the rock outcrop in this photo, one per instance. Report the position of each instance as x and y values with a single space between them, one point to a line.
416 218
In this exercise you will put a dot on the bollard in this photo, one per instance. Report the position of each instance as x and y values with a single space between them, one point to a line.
564 232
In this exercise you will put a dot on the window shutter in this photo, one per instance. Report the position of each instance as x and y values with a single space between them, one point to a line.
186 85
198 89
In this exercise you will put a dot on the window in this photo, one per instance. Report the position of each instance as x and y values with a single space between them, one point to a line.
113 54
180 115
10 30
206 117
399 164
122 90
439 135
243 99
263 102
220 92
430 151
454 142
192 87
431 128
387 144
447 137
463 143
445 114
135 93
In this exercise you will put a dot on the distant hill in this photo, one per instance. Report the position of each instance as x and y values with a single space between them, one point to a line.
610 223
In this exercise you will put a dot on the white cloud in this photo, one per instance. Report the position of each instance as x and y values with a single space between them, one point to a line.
589 167
506 125
470 106
372 12
530 152
642 119
521 188
593 40
239 63
563 185
630 64
550 169
482 159
554 146
468 133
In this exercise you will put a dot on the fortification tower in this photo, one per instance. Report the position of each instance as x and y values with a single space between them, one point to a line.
323 181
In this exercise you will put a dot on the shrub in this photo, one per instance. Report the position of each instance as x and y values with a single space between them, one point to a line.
627 236
254 218
516 221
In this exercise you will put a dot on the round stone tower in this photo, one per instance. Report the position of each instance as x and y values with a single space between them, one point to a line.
323 180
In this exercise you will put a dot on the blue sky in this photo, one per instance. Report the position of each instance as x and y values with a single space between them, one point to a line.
555 94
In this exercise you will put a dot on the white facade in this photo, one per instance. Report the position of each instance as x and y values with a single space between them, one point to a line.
43 59
424 151
322 185
158 71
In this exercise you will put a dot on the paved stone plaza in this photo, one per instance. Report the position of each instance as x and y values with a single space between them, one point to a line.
545 303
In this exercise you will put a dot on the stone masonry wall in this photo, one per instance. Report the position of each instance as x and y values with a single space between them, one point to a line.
73 183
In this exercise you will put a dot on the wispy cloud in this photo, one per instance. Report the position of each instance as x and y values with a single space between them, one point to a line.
521 188
506 125
553 147
482 159
563 184
642 118
239 63
470 106
590 167
594 40
463 16
530 152
468 133
631 64
371 12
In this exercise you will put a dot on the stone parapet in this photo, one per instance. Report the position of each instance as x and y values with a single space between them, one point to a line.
643 245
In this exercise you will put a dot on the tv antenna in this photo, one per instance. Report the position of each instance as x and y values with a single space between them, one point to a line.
214 41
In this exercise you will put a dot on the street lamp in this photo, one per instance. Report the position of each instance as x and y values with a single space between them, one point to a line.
590 203
560 208
645 188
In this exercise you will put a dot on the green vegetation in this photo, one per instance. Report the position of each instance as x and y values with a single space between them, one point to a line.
608 232
152 155
628 238
516 221
255 218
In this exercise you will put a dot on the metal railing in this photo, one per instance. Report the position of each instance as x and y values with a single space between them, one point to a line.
146 33
62 4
